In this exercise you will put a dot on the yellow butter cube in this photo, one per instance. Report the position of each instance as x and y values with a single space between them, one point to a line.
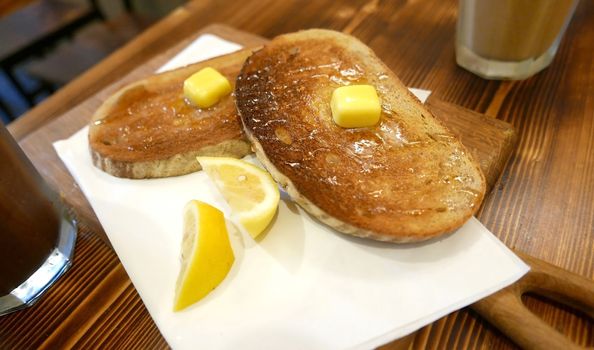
206 87
355 106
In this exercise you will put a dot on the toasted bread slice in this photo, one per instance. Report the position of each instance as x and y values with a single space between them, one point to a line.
406 179
148 129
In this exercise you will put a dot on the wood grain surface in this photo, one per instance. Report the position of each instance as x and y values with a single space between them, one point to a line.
542 206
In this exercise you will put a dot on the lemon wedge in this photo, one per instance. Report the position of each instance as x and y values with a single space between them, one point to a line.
206 254
250 191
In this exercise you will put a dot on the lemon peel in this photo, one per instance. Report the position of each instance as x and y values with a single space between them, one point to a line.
250 191
206 254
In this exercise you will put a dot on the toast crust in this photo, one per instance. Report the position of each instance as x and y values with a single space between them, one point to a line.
148 129
406 179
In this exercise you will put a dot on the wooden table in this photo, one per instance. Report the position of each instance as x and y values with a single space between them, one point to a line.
543 205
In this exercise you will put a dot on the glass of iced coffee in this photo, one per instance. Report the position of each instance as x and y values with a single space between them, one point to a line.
37 234
510 39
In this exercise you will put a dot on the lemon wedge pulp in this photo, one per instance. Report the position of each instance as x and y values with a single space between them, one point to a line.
250 191
206 254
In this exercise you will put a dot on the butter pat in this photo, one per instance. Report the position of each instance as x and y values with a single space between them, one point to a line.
355 106
206 87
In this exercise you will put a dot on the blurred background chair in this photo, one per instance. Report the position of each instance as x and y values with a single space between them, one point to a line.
89 46
32 30
51 42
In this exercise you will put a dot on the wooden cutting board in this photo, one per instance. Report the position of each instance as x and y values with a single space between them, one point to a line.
489 140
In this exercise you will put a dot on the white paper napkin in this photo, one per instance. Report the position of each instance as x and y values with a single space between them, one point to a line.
303 286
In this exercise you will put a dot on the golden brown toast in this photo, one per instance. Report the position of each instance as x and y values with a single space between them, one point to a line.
148 130
406 179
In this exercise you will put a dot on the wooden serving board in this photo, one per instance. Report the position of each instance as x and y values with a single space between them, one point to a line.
489 140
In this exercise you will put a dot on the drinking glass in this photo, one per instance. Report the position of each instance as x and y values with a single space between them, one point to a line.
37 233
510 39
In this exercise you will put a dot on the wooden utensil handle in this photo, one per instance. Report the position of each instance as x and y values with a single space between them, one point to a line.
506 311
